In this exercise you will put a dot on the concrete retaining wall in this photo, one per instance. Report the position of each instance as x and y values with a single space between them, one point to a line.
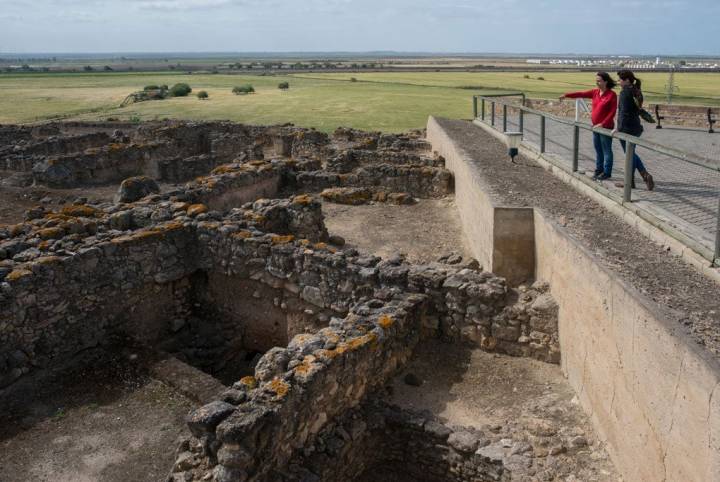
650 391
501 238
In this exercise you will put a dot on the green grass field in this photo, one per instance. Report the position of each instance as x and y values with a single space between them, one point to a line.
389 102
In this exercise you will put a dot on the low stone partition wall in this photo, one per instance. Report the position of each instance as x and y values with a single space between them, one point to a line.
502 238
425 182
377 441
98 165
298 389
353 158
650 390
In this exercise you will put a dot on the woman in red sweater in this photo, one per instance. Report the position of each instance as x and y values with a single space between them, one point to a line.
604 105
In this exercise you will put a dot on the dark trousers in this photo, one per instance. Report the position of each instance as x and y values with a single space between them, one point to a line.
637 163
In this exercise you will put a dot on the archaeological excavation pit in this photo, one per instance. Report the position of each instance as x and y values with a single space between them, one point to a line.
305 307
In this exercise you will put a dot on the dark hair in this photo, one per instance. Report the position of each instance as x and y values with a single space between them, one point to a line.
606 77
626 74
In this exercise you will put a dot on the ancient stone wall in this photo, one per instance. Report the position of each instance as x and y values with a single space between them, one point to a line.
377 441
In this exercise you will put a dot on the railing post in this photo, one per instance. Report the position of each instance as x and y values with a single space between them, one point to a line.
492 114
576 148
542 134
577 110
711 121
504 117
629 154
717 234
521 121
482 109
475 110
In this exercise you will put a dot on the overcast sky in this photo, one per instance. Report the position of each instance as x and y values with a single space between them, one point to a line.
532 26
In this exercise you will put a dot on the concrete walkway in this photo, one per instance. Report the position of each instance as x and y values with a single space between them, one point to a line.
685 195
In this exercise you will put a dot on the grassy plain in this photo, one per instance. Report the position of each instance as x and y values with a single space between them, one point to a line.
379 101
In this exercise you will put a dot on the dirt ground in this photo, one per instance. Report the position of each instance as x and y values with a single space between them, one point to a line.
108 421
665 278
512 400
424 231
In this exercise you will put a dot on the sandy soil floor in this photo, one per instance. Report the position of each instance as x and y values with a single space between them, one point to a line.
514 401
424 231
106 422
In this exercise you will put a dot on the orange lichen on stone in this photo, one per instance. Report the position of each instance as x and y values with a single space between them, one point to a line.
115 146
280 387
47 259
258 218
58 217
250 382
223 169
242 234
282 239
51 233
138 235
257 163
172 226
15 229
361 341
146 233
386 321
78 210
325 247
303 199
196 209
304 242
305 366
44 245
17 274
329 354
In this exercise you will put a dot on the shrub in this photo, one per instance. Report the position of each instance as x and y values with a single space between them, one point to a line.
202 95
243 89
151 87
284 85
353 79
180 90
526 76
541 78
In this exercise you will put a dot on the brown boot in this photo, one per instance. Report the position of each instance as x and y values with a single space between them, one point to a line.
648 180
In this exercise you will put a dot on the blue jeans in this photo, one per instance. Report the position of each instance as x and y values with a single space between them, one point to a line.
603 154
637 163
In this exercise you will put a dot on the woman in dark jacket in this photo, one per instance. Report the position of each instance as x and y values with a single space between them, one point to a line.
628 119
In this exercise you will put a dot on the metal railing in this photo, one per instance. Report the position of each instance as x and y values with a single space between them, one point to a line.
688 196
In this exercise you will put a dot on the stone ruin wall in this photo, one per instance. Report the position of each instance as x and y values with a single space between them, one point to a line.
347 321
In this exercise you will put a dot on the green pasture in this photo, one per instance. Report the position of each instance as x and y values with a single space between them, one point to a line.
389 102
